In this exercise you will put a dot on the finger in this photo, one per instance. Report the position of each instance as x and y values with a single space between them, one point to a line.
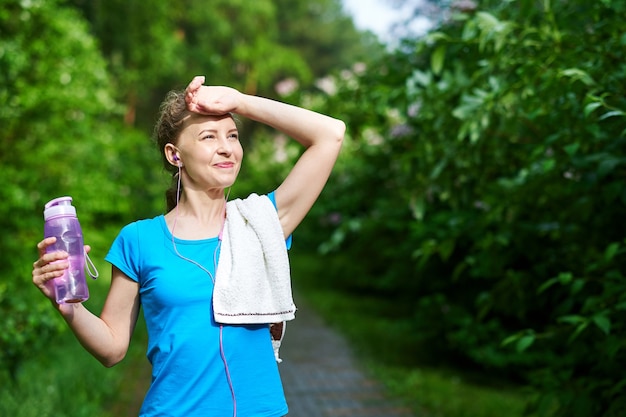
190 99
87 248
49 271
48 258
194 85
42 279
197 81
43 245
52 269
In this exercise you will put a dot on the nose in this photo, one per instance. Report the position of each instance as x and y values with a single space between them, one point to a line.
225 146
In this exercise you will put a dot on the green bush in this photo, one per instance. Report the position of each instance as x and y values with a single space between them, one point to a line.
484 187
60 136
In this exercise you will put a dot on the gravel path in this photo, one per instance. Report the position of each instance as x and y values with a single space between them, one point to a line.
321 376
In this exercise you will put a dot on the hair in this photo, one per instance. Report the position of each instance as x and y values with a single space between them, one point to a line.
172 114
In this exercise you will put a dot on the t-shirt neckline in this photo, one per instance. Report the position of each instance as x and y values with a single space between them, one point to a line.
168 234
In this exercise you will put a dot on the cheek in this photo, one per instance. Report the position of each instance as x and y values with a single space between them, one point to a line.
239 151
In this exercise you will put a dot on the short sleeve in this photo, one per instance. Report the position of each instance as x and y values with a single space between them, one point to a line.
124 252
272 198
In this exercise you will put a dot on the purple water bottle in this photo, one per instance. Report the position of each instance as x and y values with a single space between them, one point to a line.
62 223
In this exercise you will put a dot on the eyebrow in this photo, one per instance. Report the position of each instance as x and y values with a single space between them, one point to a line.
203 131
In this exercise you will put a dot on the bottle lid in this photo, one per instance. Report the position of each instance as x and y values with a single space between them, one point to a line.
61 206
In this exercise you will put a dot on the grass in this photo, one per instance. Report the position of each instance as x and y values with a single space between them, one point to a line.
62 381
382 338
434 393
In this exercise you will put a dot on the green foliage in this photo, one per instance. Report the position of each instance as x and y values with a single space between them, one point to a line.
73 384
44 120
153 46
486 179
80 85
66 381
59 137
324 36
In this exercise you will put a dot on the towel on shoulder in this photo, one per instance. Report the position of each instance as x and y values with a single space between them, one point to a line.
253 279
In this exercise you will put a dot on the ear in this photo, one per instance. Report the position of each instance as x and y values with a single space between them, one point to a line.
173 155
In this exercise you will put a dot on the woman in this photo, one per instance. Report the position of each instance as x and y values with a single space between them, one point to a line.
209 357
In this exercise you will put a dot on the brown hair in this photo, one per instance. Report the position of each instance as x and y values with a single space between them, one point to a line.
172 114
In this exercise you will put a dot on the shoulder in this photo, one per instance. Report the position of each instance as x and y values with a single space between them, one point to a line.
131 245
142 226
255 200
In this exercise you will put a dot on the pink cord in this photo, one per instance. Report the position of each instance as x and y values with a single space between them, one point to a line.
230 382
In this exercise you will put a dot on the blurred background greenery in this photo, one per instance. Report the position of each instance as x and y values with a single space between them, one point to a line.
470 243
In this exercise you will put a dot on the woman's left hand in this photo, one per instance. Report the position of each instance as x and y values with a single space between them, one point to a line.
211 100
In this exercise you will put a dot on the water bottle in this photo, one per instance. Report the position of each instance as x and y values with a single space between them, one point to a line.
62 223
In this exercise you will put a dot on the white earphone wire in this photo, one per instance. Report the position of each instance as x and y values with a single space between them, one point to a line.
217 247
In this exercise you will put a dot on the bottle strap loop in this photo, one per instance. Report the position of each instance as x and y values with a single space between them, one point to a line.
91 268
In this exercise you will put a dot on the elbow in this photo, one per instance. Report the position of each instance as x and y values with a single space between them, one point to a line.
340 131
112 359
333 137
110 362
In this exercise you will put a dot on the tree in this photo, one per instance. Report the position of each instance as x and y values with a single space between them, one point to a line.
325 36
154 46
59 137
81 82
488 170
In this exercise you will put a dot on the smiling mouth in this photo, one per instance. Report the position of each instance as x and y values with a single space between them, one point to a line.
225 165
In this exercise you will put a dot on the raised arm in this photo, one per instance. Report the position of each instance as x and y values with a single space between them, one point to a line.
321 135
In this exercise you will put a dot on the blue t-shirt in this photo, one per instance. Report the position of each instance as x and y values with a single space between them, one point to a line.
189 376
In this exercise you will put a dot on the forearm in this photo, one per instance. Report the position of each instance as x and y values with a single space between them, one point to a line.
306 126
321 135
94 334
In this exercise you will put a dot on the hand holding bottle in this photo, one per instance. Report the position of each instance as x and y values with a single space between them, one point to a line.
50 265
60 269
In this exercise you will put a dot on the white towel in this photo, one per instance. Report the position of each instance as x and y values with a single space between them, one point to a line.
253 281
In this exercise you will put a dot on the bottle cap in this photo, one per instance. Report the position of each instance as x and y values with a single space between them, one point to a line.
58 207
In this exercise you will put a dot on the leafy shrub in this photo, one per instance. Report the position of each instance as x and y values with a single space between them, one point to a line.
59 137
486 181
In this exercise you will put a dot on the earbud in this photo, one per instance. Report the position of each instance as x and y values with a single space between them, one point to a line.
177 159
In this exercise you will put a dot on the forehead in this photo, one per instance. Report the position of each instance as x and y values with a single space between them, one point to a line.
197 123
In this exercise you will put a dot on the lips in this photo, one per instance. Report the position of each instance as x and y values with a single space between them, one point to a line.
225 164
